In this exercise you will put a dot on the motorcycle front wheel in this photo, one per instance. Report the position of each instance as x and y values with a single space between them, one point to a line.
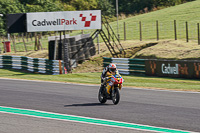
101 97
115 96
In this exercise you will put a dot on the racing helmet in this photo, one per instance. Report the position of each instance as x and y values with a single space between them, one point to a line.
112 67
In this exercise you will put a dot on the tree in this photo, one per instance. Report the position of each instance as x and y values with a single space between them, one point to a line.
106 7
84 4
9 7
135 6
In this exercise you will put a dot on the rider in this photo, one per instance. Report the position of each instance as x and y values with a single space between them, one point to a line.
108 71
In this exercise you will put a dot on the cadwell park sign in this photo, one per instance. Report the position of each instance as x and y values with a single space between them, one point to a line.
60 21
173 68
54 21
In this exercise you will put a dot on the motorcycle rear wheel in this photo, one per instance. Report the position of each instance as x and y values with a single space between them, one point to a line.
116 96
101 97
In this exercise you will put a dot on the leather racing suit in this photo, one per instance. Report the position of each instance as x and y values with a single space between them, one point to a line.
104 78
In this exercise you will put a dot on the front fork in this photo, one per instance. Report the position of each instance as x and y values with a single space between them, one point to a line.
113 88
113 91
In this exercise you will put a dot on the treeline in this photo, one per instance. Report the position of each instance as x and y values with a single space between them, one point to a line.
141 6
107 6
125 6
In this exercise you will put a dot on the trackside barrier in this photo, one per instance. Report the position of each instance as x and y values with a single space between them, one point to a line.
36 65
127 66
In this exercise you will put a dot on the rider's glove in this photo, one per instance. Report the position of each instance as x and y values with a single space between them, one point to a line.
106 78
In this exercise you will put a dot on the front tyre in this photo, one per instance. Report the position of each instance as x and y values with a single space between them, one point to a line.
101 97
115 96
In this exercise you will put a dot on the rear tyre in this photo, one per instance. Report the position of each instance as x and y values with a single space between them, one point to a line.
115 96
101 97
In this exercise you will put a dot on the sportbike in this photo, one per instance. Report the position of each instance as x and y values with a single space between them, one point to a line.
114 95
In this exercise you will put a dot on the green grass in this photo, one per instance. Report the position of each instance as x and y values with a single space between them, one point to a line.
94 78
181 13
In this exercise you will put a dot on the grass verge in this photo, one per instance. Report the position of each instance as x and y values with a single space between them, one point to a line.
94 78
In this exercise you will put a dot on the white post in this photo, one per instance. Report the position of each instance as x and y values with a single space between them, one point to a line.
117 18
8 37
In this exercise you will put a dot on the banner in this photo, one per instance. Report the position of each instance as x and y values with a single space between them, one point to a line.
66 20
171 68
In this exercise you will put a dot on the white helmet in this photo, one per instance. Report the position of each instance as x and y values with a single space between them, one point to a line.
112 67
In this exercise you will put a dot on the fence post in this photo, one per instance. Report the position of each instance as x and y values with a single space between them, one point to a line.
198 33
140 26
26 37
124 31
13 39
18 37
175 34
187 38
39 41
157 29
24 43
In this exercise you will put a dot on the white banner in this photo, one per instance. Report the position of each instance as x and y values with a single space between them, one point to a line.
60 21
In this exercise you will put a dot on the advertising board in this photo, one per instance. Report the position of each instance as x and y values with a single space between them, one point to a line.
66 20
173 68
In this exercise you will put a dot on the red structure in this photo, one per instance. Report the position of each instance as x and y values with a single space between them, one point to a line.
7 46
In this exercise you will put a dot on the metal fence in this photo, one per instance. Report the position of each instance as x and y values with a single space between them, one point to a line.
24 42
158 30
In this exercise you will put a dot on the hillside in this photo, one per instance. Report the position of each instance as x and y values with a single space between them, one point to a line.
187 12
181 13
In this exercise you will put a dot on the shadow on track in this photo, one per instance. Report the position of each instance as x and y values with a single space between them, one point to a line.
87 104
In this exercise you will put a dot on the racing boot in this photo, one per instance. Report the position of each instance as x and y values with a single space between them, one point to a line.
120 86
108 87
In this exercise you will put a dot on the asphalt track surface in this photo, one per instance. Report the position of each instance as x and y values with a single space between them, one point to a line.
168 109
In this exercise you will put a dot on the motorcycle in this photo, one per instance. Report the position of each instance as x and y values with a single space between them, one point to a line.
103 96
